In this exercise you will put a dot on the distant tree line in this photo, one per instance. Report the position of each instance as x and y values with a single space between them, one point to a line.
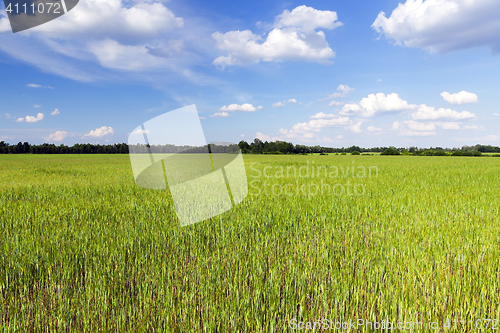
50 148
118 148
256 147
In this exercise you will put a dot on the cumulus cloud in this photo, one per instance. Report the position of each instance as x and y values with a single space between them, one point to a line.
120 35
318 122
114 19
404 130
282 104
309 130
220 114
265 137
247 107
377 103
335 103
342 91
31 119
442 25
57 136
425 112
462 97
373 129
322 115
356 127
55 112
295 36
416 128
99 132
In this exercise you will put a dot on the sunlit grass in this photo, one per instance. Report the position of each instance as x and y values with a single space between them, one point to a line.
82 248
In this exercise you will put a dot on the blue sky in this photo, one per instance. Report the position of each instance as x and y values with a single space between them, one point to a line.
333 73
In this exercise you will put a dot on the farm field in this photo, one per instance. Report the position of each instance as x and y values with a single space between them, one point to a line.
398 238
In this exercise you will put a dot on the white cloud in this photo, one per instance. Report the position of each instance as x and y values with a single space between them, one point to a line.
443 25
322 115
114 19
376 103
220 114
247 107
344 90
100 132
316 125
474 127
31 119
37 106
8 115
281 104
319 121
356 128
462 97
449 125
140 131
55 112
57 136
123 37
33 85
496 114
416 128
335 103
265 137
242 135
339 137
294 37
425 112
404 130
373 129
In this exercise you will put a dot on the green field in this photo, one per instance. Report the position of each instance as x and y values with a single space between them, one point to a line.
82 248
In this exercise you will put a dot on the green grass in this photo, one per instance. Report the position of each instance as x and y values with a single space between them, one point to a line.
84 249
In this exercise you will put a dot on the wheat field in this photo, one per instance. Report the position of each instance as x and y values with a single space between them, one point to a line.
83 249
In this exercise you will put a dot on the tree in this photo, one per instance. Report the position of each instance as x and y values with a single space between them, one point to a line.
244 146
391 151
